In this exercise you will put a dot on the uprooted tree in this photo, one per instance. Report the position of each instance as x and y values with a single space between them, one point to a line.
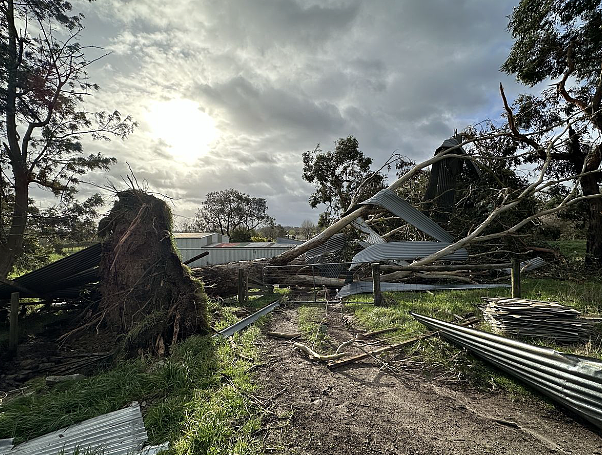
149 299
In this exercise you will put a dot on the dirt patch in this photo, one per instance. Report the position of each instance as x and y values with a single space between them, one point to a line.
372 407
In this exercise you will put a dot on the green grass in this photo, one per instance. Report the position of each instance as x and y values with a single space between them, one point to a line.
199 398
441 356
570 249
315 332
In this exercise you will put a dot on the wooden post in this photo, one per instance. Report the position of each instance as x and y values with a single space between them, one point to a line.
515 278
378 297
243 285
13 336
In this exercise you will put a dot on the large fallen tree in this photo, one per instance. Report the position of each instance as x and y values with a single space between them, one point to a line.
149 300
507 199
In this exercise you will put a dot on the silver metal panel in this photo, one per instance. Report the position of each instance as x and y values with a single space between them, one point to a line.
389 200
116 433
531 264
373 237
229 331
5 446
365 287
573 381
405 250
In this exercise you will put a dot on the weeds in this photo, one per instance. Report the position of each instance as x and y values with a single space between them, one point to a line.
313 329
441 356
199 398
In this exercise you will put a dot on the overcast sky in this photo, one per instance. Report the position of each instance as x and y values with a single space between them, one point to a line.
230 93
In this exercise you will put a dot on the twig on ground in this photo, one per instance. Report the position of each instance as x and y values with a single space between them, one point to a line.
363 336
315 356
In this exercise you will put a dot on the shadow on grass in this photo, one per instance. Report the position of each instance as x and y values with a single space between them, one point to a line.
198 398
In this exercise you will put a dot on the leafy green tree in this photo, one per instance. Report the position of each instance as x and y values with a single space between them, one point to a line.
230 210
44 80
561 41
341 177
272 231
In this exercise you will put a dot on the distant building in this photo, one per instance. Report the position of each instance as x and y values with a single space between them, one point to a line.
221 251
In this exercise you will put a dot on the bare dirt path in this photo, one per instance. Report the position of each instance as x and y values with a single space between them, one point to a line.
367 408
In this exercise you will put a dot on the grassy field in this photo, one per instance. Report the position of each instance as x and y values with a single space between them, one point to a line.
200 398
441 355
570 249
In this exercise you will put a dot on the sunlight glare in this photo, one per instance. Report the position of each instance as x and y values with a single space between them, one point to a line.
186 129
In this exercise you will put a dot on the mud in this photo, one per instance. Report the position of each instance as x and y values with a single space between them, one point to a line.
389 408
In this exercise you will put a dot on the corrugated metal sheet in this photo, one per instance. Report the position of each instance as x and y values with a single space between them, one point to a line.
531 264
405 250
372 236
53 278
116 433
573 381
288 241
387 199
5 446
365 287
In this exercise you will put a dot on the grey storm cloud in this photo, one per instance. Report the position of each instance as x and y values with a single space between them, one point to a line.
279 76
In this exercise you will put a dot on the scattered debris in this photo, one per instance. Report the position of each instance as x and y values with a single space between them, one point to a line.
229 331
405 250
573 381
535 319
365 335
117 433
365 287
391 347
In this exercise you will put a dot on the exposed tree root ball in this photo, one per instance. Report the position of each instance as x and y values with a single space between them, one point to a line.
148 296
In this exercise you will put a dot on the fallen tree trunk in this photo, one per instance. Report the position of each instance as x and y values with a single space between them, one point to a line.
221 280
344 221
305 280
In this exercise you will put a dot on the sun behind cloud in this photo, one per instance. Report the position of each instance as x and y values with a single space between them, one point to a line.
183 126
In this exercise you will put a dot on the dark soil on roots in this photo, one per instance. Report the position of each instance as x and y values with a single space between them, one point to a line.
372 407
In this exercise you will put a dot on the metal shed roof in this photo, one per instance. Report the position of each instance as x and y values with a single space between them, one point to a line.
387 199
405 250
67 274
191 235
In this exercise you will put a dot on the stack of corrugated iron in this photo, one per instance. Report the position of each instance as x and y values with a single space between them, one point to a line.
535 319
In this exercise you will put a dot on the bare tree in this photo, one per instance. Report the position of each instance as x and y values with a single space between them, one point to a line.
308 228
